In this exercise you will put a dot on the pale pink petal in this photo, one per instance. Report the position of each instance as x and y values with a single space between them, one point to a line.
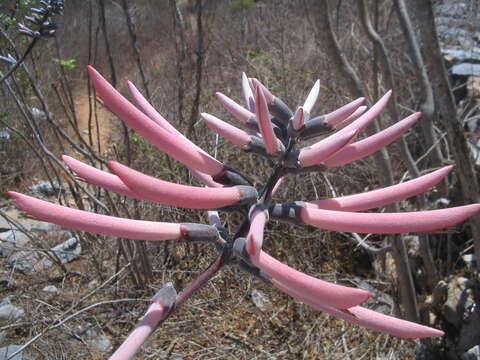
191 197
365 317
342 113
325 148
98 177
231 133
338 296
277 185
264 123
247 93
372 143
175 146
365 119
239 112
255 235
312 97
204 178
149 110
356 114
269 97
99 224
387 223
382 197
298 119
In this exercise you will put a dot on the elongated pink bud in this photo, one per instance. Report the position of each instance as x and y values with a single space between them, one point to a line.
231 133
269 97
356 114
298 119
277 185
149 110
367 318
338 296
99 224
255 235
162 302
153 114
239 112
204 178
264 123
387 223
325 148
98 177
342 113
372 143
365 119
312 97
382 197
248 93
191 197
175 146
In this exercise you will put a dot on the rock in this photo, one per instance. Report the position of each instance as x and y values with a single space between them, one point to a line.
9 240
260 300
46 188
470 260
472 354
93 338
6 351
459 298
470 331
465 69
25 261
50 289
9 312
38 114
65 252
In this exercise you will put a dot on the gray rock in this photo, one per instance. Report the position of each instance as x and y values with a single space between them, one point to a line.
93 338
6 351
46 188
466 69
9 312
472 354
470 332
50 289
260 300
65 252
23 261
9 240
3 338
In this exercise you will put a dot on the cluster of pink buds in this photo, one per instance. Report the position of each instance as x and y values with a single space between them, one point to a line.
270 129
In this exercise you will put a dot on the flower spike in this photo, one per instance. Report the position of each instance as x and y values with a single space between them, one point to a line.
382 197
387 223
372 143
175 146
312 97
167 193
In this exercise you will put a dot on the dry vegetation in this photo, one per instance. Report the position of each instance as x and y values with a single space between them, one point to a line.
108 285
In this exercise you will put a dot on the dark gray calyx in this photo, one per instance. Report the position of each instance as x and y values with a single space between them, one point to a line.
248 194
240 249
231 177
166 296
280 110
315 127
252 270
287 212
291 161
199 232
257 146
